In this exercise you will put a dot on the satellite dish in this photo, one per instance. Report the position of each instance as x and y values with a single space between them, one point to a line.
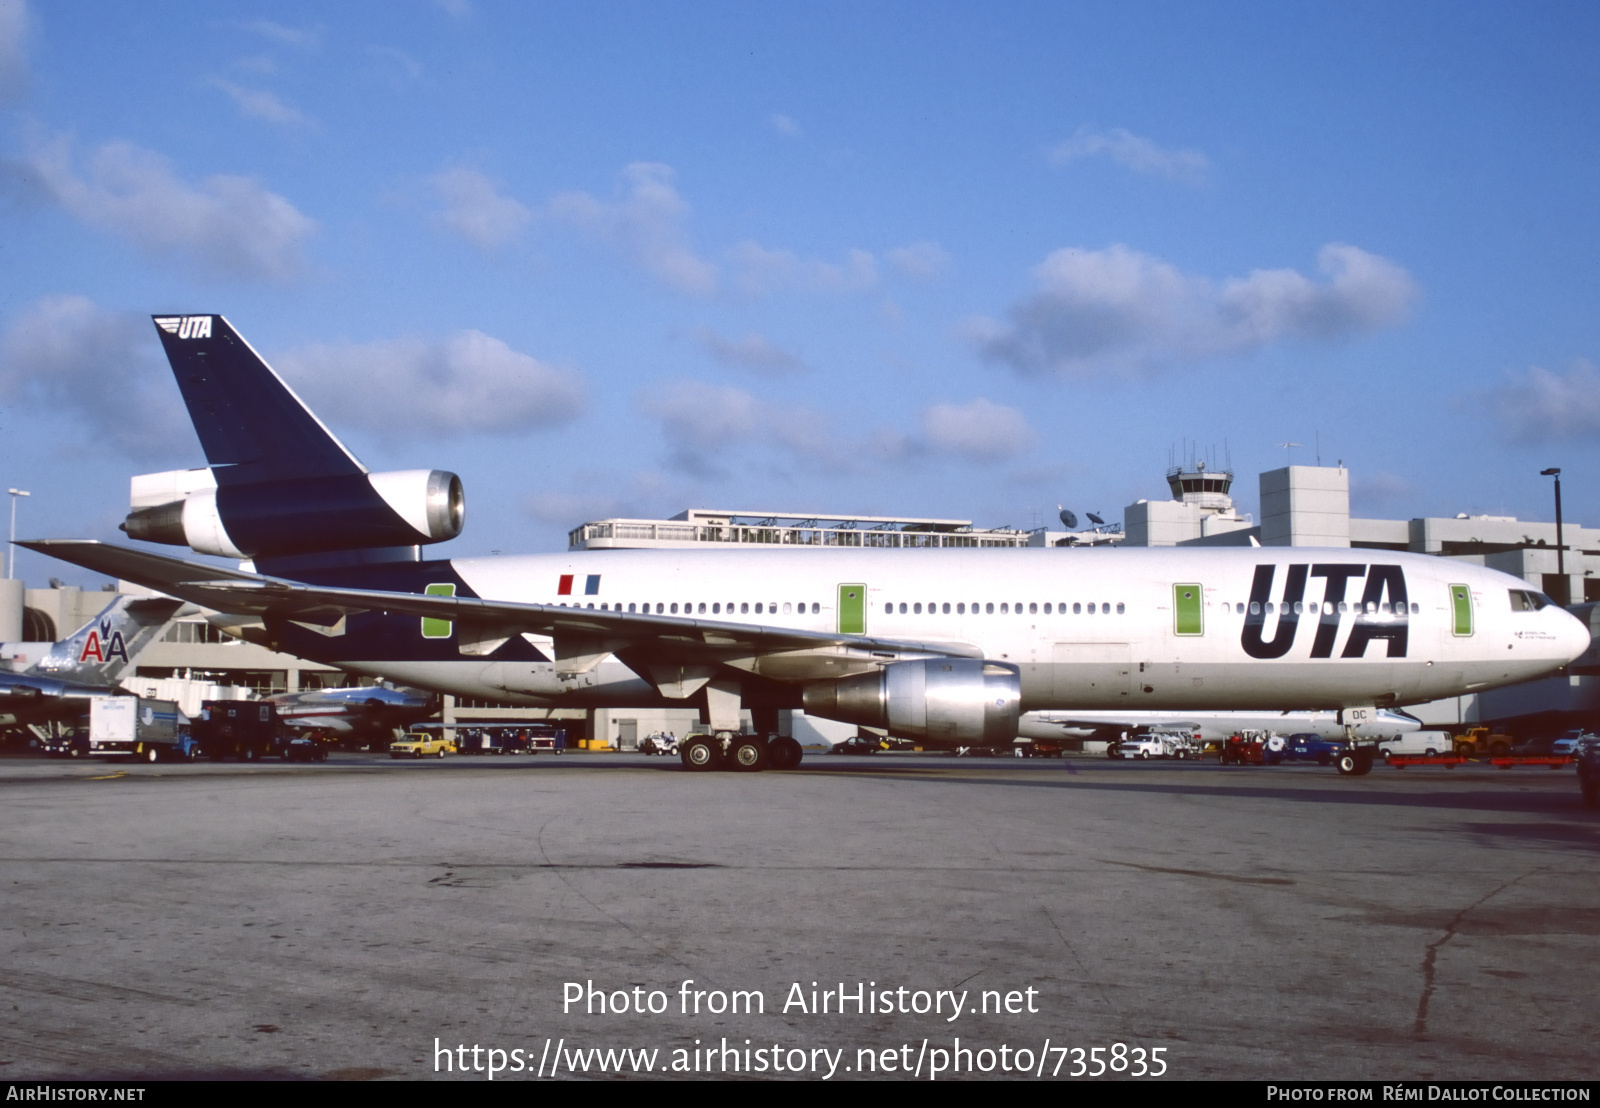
1096 520
1068 519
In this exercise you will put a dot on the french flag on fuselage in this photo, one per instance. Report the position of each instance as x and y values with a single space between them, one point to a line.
591 585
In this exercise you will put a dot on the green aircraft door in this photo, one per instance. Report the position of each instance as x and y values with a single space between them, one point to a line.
853 609
1461 605
1188 613
433 628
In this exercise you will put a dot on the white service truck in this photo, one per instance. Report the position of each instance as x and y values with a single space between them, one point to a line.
133 727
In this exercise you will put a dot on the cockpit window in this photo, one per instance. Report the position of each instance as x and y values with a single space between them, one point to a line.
1526 601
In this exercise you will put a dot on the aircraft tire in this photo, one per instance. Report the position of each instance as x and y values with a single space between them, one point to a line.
784 753
747 755
1354 763
700 754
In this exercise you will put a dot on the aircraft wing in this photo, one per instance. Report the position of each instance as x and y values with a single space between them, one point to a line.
583 636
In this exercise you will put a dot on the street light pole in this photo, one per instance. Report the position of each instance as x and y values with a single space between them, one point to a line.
11 565
1561 561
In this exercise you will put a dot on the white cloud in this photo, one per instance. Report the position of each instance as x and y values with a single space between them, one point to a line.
598 497
1133 152
700 421
715 430
1538 404
753 353
1120 311
455 9
397 62
783 124
710 430
980 431
760 270
469 383
226 225
922 260
260 104
13 48
476 209
646 224
307 38
64 353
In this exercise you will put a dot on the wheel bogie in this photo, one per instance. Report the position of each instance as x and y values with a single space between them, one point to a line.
747 754
700 753
783 752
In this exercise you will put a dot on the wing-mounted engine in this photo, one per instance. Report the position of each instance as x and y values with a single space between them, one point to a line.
944 701
264 519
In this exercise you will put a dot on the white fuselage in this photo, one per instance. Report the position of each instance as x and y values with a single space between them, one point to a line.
1233 628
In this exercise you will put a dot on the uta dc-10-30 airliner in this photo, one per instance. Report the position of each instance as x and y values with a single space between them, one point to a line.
946 647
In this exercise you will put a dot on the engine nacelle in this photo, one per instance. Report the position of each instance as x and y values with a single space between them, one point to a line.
276 518
944 701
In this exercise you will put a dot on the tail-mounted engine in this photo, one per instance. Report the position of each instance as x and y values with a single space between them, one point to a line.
946 701
275 518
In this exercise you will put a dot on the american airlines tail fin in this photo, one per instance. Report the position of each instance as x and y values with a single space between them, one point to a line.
100 651
280 488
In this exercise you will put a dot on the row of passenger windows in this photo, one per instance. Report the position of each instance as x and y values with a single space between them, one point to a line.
1309 607
1006 609
715 608
1327 608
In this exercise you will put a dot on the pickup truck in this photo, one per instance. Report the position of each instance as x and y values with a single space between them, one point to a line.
421 745
1302 748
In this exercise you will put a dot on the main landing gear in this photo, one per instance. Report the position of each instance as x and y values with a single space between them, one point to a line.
739 752
1355 761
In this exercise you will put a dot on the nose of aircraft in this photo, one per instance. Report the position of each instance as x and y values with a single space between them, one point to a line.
1576 636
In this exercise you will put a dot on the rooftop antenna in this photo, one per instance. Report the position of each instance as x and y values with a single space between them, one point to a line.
1319 449
1289 446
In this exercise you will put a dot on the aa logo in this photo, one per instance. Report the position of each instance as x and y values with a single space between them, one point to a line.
103 645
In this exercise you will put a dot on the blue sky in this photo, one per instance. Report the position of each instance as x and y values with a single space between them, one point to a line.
952 260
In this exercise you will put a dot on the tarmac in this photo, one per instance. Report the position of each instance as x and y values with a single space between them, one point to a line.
366 918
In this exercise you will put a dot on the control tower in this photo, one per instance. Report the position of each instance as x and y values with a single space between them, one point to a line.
1204 488
1200 508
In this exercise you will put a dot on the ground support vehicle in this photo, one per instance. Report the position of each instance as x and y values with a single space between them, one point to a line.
1588 759
419 744
1303 748
1480 741
492 740
69 743
134 727
244 729
1248 748
1039 748
1505 761
305 750
660 742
